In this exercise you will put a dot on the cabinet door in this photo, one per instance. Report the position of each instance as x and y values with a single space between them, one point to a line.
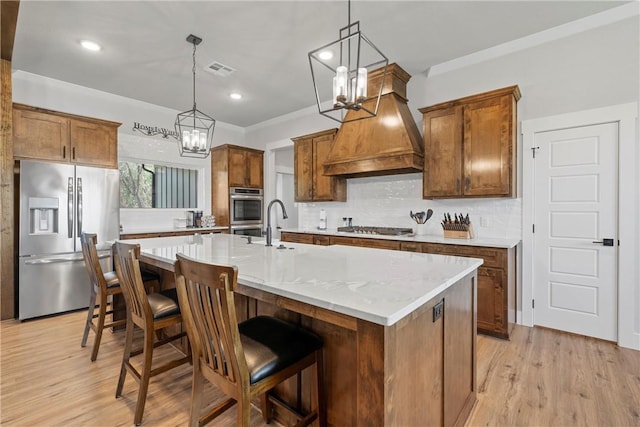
255 172
443 153
93 144
40 136
303 170
237 168
322 184
491 307
487 147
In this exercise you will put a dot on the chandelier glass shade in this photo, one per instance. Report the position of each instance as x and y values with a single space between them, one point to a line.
194 129
339 71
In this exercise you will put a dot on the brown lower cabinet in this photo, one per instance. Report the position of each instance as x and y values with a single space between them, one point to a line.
496 277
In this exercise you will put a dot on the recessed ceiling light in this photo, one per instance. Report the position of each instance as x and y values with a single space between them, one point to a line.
325 54
89 45
235 95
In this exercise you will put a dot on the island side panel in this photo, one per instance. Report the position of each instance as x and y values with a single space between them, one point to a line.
414 361
459 351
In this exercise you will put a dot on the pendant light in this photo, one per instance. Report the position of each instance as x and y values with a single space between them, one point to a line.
339 72
194 128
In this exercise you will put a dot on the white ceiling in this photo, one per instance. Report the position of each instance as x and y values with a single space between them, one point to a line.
145 55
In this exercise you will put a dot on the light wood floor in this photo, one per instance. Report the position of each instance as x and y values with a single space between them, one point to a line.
539 378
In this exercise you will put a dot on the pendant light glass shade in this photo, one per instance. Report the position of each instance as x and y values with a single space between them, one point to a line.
339 71
193 127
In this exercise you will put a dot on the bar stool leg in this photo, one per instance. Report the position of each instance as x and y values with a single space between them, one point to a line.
244 410
102 314
87 325
196 395
125 356
145 375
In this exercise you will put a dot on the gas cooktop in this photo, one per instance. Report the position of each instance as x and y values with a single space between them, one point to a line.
385 231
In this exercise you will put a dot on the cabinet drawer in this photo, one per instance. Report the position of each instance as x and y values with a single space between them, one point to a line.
365 243
411 247
493 257
296 237
321 240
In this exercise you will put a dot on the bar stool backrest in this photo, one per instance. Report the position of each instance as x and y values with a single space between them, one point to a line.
211 321
128 270
91 261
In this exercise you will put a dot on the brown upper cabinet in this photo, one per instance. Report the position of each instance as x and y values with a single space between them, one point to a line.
311 185
244 166
51 135
470 146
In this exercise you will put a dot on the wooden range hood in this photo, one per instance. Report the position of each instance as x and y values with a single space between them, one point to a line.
387 144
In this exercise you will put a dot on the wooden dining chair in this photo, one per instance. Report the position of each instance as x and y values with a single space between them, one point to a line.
244 360
151 313
103 287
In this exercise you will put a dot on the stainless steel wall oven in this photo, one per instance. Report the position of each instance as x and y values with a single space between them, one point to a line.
245 206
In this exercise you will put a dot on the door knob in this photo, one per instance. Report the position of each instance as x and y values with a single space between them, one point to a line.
604 242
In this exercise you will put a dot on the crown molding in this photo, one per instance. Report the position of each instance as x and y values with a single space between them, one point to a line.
565 30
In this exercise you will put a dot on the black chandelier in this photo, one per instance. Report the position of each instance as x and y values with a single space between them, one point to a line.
339 71
194 128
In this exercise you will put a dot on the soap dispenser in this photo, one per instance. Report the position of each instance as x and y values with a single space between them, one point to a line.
323 220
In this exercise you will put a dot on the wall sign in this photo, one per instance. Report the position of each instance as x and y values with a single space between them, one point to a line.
154 130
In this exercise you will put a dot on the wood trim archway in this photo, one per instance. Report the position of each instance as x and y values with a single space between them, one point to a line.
9 19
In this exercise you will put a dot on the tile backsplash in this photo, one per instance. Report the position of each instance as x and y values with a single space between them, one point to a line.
150 220
386 201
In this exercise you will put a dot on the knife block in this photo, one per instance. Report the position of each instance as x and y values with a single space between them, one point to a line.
458 234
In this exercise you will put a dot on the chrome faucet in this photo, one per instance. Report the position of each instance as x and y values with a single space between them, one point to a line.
284 216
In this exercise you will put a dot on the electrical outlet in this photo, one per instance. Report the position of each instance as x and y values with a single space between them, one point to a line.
484 221
438 309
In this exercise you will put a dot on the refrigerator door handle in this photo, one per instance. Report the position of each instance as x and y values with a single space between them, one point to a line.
79 214
70 208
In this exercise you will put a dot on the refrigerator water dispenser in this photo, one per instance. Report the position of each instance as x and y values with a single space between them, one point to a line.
43 215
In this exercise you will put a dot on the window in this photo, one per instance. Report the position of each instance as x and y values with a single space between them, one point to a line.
145 185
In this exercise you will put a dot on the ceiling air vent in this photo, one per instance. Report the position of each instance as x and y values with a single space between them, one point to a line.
220 69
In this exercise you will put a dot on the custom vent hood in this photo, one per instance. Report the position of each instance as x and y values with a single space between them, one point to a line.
387 144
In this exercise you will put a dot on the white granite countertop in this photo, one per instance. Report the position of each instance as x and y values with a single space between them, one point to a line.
480 241
377 285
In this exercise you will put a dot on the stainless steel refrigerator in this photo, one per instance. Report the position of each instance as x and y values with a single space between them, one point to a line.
57 203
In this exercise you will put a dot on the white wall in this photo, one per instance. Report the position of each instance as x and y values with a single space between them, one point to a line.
57 95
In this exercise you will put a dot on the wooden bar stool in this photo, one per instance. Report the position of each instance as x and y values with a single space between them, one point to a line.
151 313
244 360
104 285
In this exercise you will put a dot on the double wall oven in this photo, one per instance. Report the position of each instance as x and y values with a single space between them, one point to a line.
246 207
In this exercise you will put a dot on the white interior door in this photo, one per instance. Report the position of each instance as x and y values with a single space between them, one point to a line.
285 191
576 191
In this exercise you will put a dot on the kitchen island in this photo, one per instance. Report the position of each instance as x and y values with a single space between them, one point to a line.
398 327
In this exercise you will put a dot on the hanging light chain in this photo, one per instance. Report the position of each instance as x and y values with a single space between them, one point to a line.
194 75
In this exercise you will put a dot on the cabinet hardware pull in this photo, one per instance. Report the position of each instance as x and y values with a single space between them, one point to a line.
458 185
73 153
64 151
